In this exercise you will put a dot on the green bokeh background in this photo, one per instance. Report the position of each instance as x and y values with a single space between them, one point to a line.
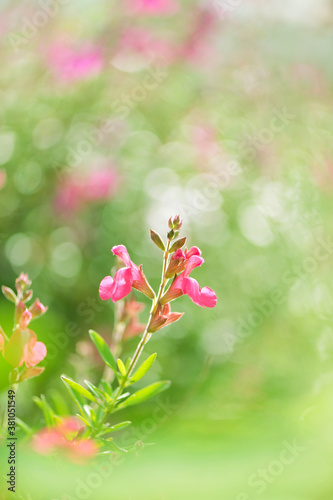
239 396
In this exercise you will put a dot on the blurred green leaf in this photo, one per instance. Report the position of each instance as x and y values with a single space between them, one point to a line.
144 368
46 409
145 394
121 367
78 388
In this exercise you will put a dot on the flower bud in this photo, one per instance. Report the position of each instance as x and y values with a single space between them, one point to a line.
175 222
157 240
37 309
25 319
9 294
27 296
22 283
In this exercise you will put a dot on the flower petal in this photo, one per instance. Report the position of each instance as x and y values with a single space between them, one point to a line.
2 342
106 288
34 353
122 284
121 252
192 263
193 251
203 298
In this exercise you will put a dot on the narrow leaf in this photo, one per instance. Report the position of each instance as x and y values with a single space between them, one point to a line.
103 349
78 388
145 394
143 369
121 367
46 409
178 244
157 240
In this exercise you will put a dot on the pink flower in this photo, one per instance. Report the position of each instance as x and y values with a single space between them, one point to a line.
124 279
152 7
2 342
65 438
163 317
182 284
71 64
76 191
34 353
179 260
23 347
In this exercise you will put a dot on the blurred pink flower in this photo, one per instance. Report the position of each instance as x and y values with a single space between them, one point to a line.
196 49
125 278
65 438
152 7
34 353
3 178
2 342
78 190
69 64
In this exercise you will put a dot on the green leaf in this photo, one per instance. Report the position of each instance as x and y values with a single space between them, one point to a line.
144 394
121 367
103 350
84 420
78 388
107 387
178 244
143 369
157 240
97 392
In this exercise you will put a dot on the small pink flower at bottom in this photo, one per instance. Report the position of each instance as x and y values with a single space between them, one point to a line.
126 278
65 438
182 284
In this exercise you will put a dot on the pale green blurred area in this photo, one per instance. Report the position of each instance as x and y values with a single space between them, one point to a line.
239 399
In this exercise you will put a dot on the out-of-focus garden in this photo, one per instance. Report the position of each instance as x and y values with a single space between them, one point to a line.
117 115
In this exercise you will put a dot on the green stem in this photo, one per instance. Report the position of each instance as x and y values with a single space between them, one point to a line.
145 337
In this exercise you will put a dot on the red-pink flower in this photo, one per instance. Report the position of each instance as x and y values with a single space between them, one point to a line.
126 278
152 7
71 64
65 438
183 284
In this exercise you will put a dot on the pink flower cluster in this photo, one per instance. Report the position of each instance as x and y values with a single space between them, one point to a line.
180 265
152 7
184 263
65 438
